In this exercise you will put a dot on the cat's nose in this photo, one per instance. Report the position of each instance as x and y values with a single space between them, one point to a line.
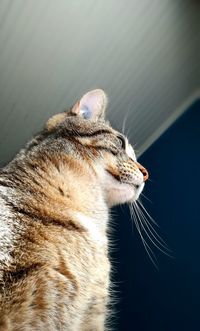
143 171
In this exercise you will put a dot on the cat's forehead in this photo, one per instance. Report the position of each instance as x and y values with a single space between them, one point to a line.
88 127
82 125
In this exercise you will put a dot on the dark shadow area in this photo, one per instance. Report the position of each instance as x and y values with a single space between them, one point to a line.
168 299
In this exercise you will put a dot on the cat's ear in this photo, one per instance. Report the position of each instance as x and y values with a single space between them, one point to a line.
91 106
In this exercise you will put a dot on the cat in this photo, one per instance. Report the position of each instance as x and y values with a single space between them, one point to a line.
55 197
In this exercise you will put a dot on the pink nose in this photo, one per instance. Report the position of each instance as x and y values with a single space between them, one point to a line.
143 171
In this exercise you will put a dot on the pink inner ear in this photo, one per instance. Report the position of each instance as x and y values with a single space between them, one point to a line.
90 100
95 101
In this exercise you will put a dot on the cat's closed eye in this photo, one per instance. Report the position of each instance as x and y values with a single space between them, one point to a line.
122 141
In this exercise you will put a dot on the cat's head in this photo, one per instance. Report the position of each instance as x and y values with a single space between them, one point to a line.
106 150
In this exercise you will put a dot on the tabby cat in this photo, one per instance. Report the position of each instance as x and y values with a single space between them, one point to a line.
54 210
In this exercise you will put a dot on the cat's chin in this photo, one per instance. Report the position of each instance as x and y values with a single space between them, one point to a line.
119 193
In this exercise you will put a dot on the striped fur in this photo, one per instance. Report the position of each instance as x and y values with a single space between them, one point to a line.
54 208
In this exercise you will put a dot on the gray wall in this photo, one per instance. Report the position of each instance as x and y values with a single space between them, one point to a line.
143 53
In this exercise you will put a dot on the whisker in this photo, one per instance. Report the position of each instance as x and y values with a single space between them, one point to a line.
145 198
155 238
146 246
149 226
153 242
152 228
124 123
145 211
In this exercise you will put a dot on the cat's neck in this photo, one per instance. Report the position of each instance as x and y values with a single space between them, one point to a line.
68 191
96 230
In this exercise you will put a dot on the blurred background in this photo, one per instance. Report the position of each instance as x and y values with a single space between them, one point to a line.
146 56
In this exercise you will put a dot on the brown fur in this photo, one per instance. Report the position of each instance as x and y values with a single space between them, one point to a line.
54 271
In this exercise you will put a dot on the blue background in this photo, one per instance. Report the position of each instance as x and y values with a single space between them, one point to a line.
168 299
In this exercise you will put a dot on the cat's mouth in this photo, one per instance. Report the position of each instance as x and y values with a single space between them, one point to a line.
121 192
120 180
